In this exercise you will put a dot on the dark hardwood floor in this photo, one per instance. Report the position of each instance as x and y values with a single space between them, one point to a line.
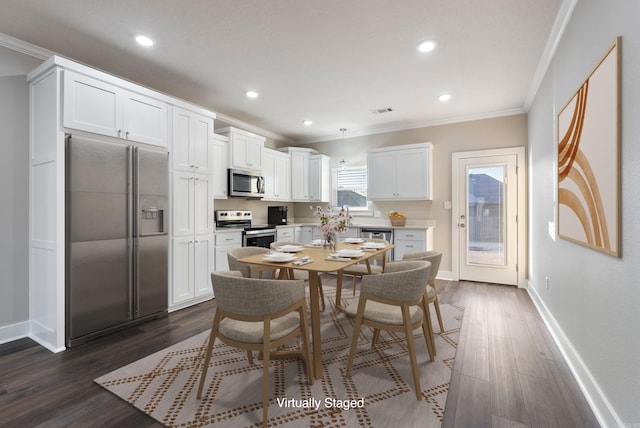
507 372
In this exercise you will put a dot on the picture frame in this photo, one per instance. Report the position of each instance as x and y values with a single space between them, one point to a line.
588 171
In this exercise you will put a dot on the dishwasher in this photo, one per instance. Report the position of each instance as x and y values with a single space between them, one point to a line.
378 233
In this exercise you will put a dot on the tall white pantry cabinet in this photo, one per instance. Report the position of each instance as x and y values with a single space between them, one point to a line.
65 96
192 242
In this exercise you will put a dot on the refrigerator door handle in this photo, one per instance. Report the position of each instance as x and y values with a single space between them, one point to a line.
133 228
136 231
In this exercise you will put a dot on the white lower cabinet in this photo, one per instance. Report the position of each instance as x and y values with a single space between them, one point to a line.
192 264
411 241
285 234
307 234
352 232
224 242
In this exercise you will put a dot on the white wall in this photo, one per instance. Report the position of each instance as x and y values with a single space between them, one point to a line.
593 301
14 205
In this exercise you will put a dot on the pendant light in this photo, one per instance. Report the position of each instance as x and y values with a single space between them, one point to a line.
343 163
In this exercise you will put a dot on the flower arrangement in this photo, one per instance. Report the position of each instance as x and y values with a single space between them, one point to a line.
331 224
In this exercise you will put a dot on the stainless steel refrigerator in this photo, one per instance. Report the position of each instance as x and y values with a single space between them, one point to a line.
117 241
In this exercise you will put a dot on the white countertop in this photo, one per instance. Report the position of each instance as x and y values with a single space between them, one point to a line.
424 224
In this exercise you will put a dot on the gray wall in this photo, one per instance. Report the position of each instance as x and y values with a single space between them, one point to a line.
14 208
593 299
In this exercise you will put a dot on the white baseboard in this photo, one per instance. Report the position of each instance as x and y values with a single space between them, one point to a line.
192 302
45 336
604 412
23 329
446 275
9 333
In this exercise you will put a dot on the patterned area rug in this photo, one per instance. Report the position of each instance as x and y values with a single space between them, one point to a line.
379 393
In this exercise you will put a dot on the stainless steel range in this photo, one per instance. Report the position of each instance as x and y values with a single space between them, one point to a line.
252 235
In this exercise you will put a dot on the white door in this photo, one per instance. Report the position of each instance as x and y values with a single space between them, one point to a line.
485 216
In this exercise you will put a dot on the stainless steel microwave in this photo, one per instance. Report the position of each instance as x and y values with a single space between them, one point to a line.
245 184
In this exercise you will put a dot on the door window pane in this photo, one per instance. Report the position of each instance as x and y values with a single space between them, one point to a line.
486 216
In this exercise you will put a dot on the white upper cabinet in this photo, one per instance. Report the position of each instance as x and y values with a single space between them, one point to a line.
310 175
220 165
400 173
276 169
245 148
192 141
95 106
299 174
320 178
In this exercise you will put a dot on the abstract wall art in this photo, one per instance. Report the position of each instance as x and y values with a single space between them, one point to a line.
589 159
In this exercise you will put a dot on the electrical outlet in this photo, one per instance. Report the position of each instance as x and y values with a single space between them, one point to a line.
376 214
546 281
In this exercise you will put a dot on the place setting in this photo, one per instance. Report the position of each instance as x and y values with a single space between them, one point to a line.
279 257
372 246
345 255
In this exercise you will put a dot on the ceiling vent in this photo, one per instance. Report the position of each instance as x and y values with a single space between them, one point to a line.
381 110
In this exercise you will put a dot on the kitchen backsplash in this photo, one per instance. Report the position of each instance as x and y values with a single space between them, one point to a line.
418 212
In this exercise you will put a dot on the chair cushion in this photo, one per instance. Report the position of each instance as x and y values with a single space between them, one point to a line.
252 332
361 269
383 313
431 292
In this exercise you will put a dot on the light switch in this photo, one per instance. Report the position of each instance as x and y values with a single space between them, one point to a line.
447 205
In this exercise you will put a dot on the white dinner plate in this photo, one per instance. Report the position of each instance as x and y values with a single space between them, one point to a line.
354 240
376 245
349 253
291 248
279 257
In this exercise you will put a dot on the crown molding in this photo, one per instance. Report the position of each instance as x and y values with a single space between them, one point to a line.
559 26
396 128
232 121
25 47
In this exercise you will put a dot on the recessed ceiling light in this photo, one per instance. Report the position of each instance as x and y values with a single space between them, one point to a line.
251 94
426 46
444 97
144 40
307 122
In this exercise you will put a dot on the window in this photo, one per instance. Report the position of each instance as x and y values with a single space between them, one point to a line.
351 189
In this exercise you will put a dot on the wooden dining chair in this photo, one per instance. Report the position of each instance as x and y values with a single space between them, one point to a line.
366 268
247 270
297 273
394 301
258 315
